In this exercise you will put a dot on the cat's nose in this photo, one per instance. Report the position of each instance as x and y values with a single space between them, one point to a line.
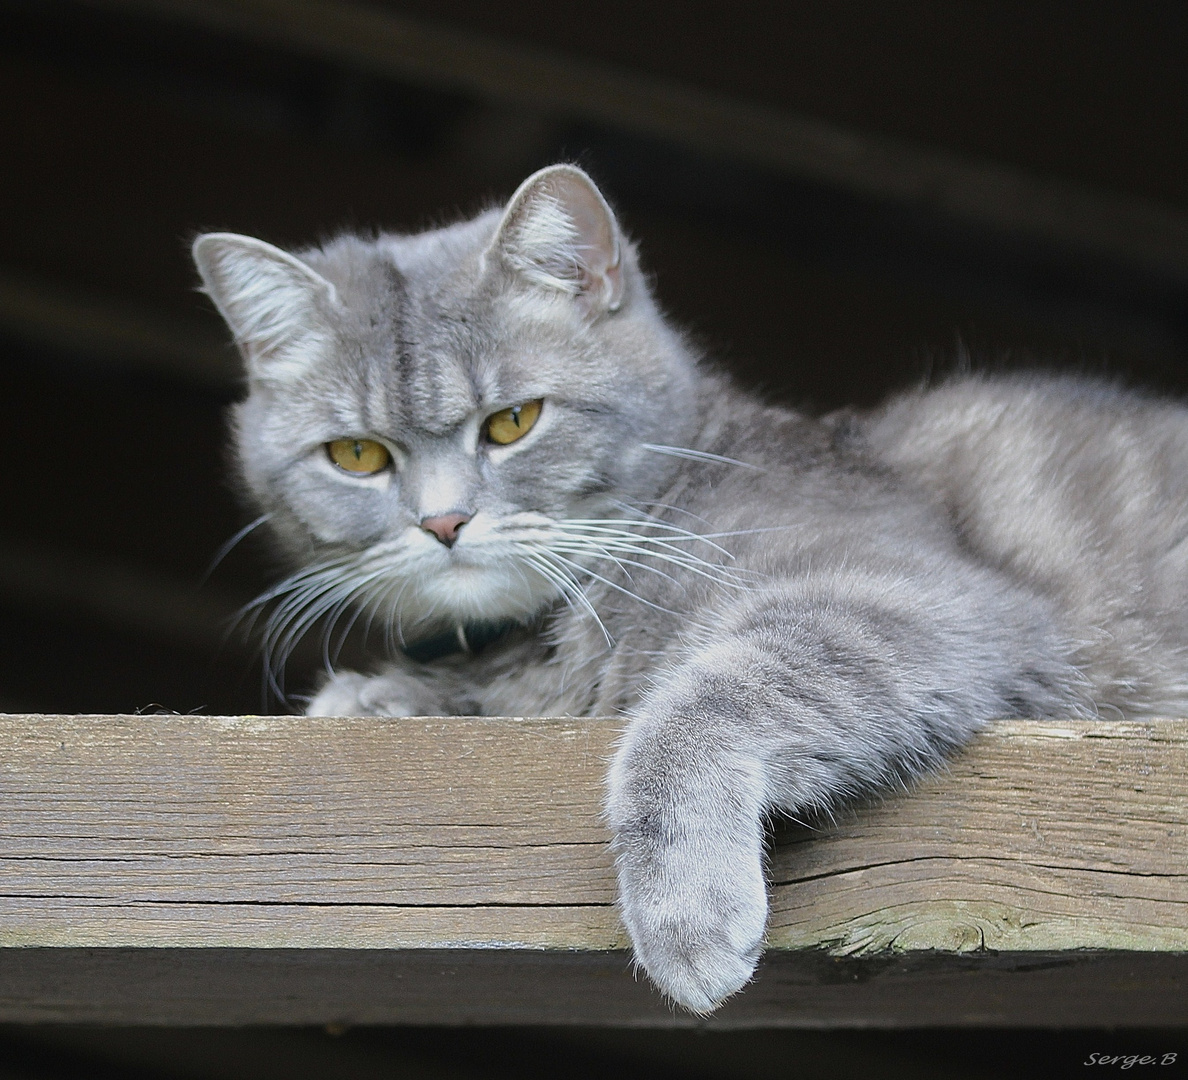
446 527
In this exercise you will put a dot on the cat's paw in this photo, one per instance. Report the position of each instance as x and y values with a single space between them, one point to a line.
348 693
696 918
341 696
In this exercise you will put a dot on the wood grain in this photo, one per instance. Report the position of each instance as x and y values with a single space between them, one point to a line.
194 836
1041 836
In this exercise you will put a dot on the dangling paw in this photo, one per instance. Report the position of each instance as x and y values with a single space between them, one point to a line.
696 917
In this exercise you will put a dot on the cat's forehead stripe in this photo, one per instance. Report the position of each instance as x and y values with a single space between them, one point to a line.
441 392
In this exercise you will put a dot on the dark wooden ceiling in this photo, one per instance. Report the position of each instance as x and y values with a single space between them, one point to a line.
1092 92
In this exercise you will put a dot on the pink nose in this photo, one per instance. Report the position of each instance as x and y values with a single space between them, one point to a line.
446 527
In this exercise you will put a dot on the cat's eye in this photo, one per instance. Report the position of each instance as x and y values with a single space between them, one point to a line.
360 456
508 425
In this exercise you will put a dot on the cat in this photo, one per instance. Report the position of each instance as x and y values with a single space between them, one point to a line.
488 439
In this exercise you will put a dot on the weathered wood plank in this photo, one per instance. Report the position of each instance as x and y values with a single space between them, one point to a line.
1042 836
285 831
197 837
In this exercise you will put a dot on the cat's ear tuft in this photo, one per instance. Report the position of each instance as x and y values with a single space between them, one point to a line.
273 303
559 232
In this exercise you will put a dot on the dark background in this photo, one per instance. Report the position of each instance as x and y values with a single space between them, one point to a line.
838 197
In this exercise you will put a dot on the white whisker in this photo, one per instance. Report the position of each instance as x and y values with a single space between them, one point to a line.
611 584
627 508
614 526
360 599
698 455
750 532
229 546
723 575
570 587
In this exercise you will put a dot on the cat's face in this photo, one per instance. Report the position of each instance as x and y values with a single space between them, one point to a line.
435 421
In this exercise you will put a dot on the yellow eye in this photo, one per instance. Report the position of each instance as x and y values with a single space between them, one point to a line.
508 425
361 456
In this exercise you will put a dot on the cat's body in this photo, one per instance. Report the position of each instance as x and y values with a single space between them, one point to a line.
789 611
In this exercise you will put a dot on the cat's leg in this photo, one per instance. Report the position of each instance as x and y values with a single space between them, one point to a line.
806 694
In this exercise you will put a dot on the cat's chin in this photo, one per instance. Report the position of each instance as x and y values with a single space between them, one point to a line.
464 593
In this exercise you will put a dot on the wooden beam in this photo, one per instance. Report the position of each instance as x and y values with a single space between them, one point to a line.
993 195
179 869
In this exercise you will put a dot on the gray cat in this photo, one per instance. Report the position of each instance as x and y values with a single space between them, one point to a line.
487 439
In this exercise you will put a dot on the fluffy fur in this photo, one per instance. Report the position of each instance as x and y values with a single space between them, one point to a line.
790 611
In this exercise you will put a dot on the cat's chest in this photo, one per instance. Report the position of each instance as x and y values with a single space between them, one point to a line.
591 667
605 663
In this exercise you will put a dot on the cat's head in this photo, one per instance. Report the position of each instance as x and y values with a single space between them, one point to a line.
431 416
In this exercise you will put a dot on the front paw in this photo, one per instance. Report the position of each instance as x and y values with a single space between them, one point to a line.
341 696
347 693
696 914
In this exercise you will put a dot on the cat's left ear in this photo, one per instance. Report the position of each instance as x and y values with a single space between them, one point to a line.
273 302
559 233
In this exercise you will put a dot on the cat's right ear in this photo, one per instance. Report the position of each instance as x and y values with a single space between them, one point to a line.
273 303
559 233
